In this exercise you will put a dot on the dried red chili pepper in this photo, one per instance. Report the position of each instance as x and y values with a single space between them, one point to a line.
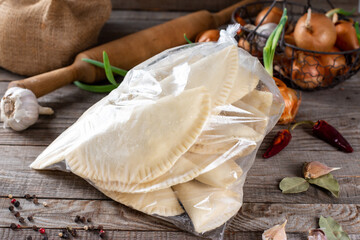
280 141
329 134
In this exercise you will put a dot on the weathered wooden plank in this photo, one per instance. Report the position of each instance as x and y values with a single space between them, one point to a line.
261 183
211 5
144 235
252 217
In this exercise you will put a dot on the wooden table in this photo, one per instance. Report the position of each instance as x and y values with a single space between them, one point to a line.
264 205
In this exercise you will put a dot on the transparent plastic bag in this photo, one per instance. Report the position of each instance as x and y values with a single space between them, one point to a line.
178 136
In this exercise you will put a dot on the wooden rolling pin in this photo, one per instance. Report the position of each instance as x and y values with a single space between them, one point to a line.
128 51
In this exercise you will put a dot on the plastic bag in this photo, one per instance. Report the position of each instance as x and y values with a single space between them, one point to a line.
178 136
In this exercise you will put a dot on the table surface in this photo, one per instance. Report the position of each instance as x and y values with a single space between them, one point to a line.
264 205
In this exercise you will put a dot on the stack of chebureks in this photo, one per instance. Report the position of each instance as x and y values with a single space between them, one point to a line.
169 146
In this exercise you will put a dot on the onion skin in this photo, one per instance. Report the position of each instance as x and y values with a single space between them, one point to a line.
211 35
244 44
274 16
319 36
308 73
292 102
346 36
334 65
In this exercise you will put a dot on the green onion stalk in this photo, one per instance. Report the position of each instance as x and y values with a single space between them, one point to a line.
271 43
109 70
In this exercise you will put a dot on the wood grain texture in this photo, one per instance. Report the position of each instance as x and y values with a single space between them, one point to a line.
265 205
211 5
253 217
145 235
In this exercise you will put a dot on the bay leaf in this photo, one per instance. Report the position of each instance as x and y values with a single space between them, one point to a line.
293 185
277 232
328 182
332 229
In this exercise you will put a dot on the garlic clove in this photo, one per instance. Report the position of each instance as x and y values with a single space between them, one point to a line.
20 109
316 169
316 234
277 232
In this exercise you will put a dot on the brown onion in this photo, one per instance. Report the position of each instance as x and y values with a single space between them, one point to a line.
292 102
346 36
307 72
211 35
334 64
316 33
274 16
244 44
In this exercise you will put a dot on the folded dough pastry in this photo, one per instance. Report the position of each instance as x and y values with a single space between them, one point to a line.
208 207
216 72
186 168
222 176
260 100
244 83
130 145
162 202
222 133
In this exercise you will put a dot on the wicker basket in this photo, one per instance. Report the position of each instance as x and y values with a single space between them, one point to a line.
299 68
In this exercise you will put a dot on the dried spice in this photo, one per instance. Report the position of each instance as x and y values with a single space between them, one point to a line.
42 230
280 141
316 169
13 226
21 220
17 204
17 214
10 196
30 218
275 233
35 228
297 184
77 218
294 185
29 238
332 229
27 196
35 201
329 134
316 234
328 182
11 208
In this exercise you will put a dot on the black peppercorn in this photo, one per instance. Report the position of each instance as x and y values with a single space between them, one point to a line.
77 218
30 218
13 226
88 220
17 204
27 196
28 238
35 201
91 227
100 227
11 208
21 220
65 235
17 214
35 228
73 233
34 196
45 238
82 219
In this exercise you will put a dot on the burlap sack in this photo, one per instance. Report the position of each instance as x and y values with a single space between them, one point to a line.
37 36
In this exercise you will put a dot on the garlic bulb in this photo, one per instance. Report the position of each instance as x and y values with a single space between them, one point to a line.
20 108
